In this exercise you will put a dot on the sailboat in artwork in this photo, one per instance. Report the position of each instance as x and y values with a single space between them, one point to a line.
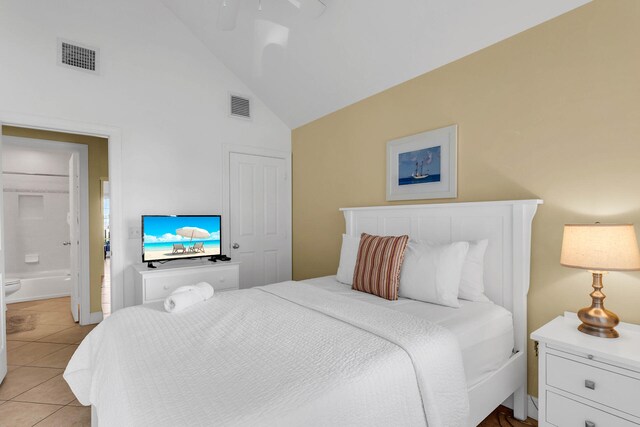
419 175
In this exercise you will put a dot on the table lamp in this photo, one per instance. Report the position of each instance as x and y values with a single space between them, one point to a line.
599 248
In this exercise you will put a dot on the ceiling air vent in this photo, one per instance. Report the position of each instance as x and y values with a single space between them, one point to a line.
240 106
77 56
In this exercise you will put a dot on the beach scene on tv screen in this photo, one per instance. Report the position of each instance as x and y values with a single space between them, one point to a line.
180 237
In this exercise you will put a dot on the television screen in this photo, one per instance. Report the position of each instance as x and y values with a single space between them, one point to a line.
166 237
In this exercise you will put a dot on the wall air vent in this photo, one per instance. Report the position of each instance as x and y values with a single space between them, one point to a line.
77 56
240 106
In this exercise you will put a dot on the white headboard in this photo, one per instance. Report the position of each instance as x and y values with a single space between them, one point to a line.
507 225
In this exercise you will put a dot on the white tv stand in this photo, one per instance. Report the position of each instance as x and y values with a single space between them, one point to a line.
155 284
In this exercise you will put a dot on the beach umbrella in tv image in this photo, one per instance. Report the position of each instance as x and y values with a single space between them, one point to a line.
192 232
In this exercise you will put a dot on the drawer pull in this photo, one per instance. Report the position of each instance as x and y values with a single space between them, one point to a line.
590 356
590 385
589 424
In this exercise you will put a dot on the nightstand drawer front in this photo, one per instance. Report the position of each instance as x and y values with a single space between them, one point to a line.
564 412
160 287
599 385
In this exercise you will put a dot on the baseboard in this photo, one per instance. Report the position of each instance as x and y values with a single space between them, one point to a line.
532 406
95 317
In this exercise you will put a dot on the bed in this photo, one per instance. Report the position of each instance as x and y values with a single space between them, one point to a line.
342 357
507 225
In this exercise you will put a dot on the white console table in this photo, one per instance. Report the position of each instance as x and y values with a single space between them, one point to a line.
155 284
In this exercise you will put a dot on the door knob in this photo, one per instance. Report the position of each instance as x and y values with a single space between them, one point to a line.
66 243
235 246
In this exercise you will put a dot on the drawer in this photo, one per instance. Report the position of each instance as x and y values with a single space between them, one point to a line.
599 385
160 286
564 412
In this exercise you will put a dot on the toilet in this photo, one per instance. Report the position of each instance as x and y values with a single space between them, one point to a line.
11 286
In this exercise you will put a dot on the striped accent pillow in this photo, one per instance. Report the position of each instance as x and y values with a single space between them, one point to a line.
378 265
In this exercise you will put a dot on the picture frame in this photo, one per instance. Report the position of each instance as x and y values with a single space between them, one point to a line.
424 165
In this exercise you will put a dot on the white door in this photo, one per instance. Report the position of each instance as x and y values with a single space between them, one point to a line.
74 232
260 217
3 318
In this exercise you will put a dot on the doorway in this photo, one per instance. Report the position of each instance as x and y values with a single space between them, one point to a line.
38 181
258 214
49 235
106 274
87 164
114 138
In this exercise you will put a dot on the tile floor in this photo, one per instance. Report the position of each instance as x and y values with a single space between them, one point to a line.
41 337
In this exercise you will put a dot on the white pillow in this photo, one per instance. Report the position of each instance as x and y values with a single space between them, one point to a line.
432 272
348 258
472 281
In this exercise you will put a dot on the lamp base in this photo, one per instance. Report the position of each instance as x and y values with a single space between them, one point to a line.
597 320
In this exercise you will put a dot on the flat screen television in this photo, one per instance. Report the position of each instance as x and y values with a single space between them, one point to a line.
169 237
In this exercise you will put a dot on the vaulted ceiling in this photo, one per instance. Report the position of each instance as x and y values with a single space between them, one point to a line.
304 67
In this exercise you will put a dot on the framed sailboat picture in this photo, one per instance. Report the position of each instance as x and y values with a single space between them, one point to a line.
423 166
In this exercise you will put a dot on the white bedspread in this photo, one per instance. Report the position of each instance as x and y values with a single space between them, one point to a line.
287 354
484 330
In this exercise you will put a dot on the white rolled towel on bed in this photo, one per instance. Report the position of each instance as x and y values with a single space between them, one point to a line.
186 296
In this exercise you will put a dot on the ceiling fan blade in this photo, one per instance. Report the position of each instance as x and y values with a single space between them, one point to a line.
310 9
228 15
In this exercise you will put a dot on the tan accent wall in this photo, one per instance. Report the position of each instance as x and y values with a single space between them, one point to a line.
98 168
552 113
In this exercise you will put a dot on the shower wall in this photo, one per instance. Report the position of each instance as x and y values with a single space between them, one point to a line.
36 203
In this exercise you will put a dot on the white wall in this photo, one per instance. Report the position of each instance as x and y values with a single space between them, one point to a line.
158 84
16 158
28 232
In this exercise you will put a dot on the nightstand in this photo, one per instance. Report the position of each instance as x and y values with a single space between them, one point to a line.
585 380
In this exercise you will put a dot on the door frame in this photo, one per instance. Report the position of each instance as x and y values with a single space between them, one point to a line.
3 317
83 247
227 150
114 138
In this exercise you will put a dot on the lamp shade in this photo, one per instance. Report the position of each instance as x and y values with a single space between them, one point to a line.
600 247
